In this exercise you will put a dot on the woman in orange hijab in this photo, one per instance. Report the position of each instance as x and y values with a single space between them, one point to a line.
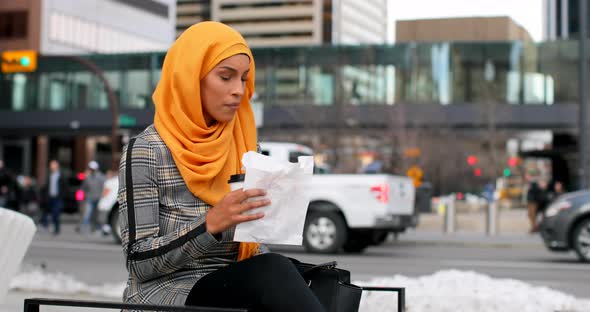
177 212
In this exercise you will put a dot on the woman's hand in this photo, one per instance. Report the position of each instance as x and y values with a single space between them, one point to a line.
230 210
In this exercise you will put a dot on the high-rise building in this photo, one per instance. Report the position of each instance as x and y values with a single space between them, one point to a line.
497 28
66 27
561 19
292 22
91 26
189 12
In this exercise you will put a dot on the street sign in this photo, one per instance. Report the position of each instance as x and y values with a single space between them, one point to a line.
127 121
19 61
412 152
416 174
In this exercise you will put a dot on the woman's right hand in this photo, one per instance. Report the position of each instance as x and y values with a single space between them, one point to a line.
230 210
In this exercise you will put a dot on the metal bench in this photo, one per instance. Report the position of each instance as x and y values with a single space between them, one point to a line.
34 304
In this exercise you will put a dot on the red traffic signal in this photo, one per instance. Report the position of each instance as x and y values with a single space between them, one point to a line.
513 161
477 172
471 160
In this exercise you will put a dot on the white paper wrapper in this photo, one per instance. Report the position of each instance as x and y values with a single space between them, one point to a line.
285 184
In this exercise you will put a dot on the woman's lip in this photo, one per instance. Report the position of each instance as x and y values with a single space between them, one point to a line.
234 106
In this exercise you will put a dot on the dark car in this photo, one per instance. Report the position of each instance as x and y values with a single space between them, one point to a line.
566 224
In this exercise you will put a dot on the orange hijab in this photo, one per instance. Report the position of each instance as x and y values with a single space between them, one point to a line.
205 156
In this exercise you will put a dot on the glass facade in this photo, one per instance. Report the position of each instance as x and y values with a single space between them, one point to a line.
445 73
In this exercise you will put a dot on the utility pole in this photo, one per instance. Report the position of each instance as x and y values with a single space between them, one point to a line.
583 83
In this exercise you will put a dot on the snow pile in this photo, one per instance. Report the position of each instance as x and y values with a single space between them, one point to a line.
36 280
449 290
453 290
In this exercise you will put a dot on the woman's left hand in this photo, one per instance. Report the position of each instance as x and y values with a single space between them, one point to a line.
230 210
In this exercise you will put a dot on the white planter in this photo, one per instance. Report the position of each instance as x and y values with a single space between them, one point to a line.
16 233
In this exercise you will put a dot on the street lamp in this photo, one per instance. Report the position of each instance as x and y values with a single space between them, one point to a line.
583 82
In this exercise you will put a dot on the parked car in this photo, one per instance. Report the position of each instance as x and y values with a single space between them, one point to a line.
566 224
350 212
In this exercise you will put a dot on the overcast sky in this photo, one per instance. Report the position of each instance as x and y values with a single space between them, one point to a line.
528 13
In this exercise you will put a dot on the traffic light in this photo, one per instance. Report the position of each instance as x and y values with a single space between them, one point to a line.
471 160
507 172
477 172
19 61
513 161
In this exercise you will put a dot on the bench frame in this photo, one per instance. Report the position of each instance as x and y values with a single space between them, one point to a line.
33 304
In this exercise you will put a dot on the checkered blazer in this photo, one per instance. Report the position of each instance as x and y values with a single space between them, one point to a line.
166 245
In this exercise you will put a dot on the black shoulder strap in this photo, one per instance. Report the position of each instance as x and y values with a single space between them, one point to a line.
129 193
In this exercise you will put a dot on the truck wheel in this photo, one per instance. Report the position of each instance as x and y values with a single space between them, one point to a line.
115 227
324 232
581 242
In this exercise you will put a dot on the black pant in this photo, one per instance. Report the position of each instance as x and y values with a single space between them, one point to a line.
54 207
268 282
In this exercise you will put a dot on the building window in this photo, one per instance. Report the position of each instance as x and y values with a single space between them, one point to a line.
13 25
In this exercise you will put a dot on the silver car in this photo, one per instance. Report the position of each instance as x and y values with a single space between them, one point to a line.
566 224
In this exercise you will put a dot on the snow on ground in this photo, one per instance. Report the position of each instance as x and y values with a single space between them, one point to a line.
448 290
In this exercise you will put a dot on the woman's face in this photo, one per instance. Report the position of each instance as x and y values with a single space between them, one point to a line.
223 87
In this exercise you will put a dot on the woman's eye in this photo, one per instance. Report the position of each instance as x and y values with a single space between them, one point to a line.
224 78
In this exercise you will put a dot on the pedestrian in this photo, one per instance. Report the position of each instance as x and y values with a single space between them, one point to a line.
538 198
92 186
556 190
177 231
53 193
29 198
109 194
532 205
375 166
7 191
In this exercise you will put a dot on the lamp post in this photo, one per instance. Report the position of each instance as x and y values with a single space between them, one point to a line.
113 103
583 83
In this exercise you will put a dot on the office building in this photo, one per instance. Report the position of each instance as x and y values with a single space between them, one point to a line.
499 28
267 23
68 27
189 12
91 26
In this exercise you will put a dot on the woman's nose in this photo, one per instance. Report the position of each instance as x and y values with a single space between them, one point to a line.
238 88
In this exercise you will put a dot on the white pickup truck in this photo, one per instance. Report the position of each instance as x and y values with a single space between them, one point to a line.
346 212
350 211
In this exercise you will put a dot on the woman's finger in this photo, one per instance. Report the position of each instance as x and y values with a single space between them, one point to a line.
250 193
245 206
248 217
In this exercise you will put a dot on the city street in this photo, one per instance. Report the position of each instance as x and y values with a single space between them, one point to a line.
96 260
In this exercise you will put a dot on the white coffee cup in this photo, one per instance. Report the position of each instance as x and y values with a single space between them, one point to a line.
236 181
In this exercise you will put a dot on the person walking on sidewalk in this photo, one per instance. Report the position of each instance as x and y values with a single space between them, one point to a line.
53 194
538 198
7 189
92 187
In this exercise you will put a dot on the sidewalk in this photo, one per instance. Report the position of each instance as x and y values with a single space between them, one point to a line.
470 229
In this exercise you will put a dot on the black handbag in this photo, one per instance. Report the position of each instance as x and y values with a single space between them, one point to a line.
331 285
